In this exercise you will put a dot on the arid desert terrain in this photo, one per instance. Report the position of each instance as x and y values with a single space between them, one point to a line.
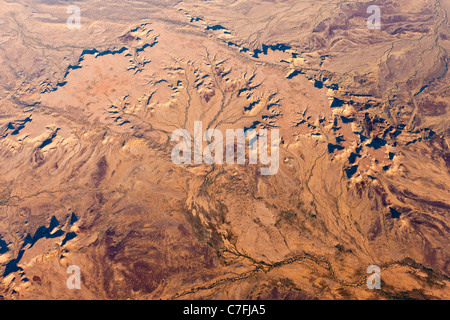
87 179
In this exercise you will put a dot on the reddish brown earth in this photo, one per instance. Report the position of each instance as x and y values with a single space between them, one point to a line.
86 176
